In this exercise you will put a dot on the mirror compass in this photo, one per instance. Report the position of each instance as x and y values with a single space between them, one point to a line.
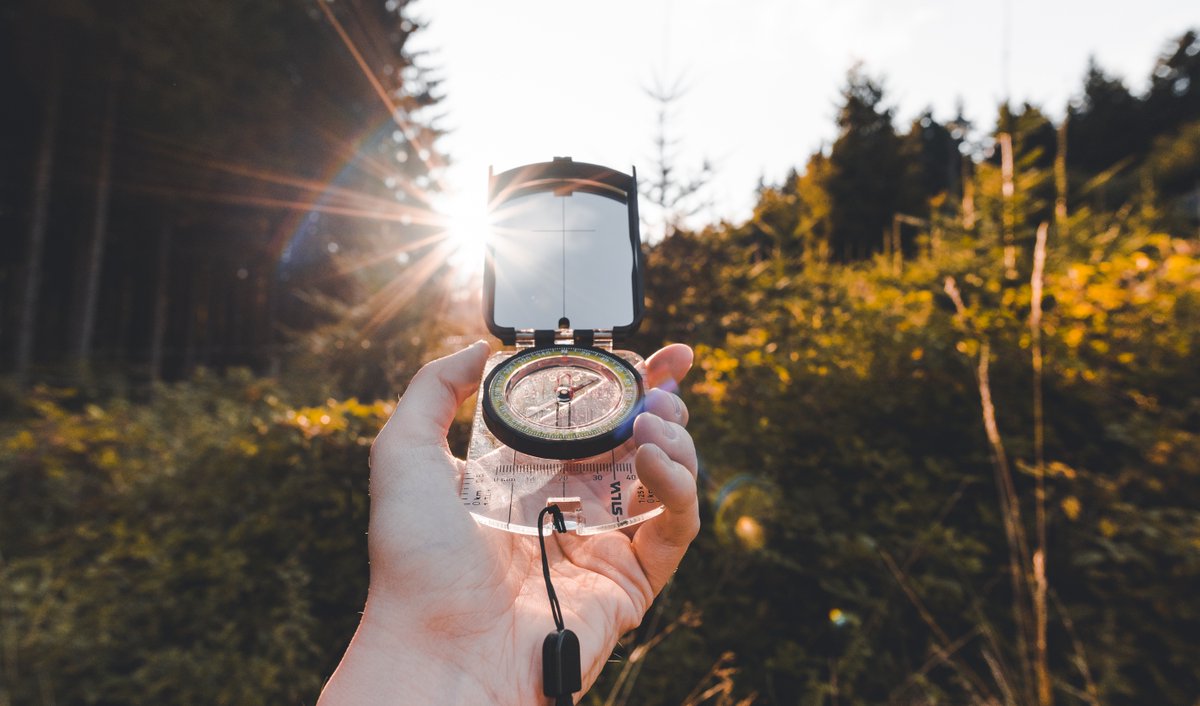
554 416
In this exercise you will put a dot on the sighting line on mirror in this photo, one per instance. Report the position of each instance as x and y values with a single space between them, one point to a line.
564 264
563 231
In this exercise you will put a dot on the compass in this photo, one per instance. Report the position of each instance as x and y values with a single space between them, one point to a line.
562 284
562 402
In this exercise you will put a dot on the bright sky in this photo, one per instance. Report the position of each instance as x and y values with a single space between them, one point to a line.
527 80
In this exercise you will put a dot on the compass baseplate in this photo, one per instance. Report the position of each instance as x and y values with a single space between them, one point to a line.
506 489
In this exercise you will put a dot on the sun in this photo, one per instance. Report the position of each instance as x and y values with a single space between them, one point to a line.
466 221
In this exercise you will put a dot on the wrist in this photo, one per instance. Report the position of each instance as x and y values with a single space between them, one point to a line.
394 657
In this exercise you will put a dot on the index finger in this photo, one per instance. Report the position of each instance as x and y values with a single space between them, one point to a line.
668 366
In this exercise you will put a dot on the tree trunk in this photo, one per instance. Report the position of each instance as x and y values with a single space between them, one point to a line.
200 332
968 195
193 312
36 241
95 257
274 303
215 302
159 330
124 313
235 335
1008 218
1060 182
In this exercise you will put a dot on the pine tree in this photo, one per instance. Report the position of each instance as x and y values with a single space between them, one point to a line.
933 158
1174 95
866 167
672 197
1107 123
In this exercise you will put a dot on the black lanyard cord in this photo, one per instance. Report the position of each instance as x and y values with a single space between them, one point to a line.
559 525
561 673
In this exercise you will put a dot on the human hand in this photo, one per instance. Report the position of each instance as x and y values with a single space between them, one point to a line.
456 612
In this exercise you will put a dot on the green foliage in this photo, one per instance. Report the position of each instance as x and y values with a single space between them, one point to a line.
853 528
1174 163
854 545
206 547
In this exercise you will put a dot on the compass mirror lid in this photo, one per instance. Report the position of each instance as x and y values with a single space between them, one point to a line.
563 251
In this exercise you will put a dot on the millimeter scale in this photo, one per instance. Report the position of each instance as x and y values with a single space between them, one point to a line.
554 415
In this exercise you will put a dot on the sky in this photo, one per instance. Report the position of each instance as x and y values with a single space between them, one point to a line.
527 80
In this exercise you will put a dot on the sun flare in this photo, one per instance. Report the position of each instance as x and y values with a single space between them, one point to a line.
466 229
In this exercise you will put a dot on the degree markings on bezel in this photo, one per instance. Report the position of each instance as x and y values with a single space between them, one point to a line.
610 370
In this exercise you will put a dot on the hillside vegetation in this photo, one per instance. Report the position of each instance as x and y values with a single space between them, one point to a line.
946 458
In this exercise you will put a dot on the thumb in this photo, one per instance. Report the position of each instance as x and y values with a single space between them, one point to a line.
424 413
412 472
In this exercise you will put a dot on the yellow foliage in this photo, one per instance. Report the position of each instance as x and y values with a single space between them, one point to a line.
1107 295
335 416
1074 336
1057 468
1183 269
23 440
716 364
1071 507
108 459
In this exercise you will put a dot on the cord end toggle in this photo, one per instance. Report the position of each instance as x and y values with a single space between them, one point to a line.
561 674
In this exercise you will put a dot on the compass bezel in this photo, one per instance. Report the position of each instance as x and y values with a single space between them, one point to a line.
596 439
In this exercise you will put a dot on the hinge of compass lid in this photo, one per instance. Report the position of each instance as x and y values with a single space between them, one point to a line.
564 335
574 337
602 338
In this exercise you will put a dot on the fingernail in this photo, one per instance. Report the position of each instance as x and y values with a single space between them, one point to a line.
676 405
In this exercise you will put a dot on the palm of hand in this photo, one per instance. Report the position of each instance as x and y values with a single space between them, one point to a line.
482 597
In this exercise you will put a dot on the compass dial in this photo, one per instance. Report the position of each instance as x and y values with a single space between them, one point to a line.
562 402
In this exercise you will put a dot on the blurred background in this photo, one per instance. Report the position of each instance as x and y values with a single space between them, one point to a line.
940 266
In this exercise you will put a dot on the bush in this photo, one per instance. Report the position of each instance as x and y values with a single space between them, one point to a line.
205 547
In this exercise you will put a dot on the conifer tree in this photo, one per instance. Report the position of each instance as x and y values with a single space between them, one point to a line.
866 164
1174 95
1106 122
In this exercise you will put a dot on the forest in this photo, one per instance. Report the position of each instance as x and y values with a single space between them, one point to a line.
946 395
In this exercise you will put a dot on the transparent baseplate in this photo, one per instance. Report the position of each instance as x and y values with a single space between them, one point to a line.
507 489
